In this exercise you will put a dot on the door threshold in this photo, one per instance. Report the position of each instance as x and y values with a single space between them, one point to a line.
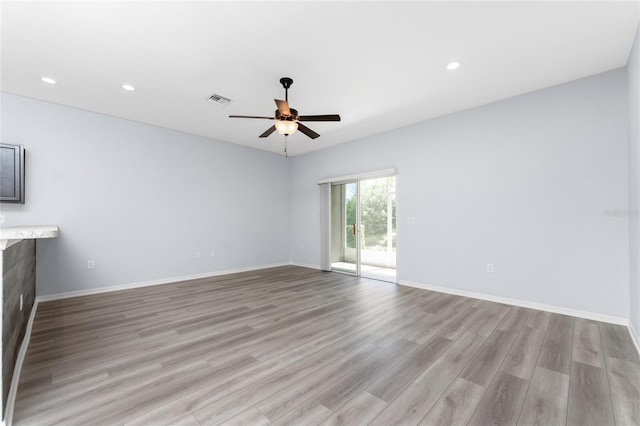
344 271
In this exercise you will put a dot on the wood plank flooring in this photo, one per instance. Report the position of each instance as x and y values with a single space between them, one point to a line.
295 346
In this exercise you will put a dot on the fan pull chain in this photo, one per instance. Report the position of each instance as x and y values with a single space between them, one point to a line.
285 147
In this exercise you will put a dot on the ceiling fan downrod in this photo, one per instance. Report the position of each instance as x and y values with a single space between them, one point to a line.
286 83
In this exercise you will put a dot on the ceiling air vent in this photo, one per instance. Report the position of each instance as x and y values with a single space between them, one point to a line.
220 100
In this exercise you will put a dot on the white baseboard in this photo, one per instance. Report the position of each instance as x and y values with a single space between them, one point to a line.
305 265
17 369
162 281
635 337
523 303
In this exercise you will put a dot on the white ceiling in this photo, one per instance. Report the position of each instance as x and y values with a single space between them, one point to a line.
380 65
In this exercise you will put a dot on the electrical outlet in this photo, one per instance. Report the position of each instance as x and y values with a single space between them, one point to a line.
1 218
21 302
196 255
213 253
91 264
411 221
489 267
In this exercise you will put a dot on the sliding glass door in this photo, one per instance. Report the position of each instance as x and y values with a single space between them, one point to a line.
363 228
344 225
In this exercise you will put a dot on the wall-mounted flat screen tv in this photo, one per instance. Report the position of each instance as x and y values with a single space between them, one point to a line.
11 173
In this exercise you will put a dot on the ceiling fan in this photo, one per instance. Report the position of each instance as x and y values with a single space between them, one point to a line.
287 120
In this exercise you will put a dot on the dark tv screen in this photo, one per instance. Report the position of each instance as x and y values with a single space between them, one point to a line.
11 173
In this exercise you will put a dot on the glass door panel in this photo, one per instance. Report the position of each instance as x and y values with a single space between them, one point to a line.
344 225
378 228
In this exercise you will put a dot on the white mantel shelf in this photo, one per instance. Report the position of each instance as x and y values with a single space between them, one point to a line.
14 234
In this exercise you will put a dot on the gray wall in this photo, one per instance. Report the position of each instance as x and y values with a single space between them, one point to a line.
140 200
633 74
525 184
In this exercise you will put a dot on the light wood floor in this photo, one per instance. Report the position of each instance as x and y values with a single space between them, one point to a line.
297 346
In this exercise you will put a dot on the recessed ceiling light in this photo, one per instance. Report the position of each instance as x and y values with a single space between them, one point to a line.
453 65
48 80
128 87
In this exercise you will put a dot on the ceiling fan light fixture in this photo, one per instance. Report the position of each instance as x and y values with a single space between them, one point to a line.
285 127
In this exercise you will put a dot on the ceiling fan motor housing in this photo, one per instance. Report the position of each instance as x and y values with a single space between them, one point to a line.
293 116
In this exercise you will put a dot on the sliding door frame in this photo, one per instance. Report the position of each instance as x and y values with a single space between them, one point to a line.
356 178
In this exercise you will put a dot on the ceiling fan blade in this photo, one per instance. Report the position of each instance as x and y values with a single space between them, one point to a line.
326 117
307 131
268 132
283 107
251 116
